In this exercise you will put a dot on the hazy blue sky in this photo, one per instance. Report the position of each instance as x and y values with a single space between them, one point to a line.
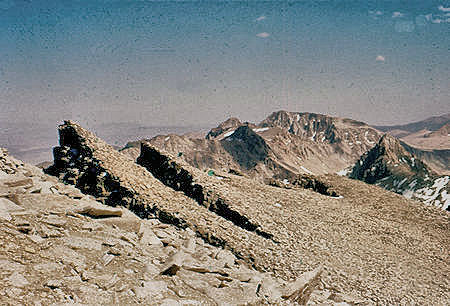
186 63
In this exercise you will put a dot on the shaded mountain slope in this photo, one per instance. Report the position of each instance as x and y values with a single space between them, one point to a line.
394 168
246 147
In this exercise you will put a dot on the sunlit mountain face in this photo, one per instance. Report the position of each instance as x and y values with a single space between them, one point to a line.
185 64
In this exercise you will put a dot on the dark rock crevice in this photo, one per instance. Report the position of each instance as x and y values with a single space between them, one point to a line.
174 176
305 181
310 182
363 168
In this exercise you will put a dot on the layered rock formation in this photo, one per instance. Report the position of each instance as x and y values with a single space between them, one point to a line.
392 167
97 169
365 239
195 185
60 246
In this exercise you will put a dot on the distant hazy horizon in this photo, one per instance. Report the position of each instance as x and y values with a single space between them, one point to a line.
34 143
195 63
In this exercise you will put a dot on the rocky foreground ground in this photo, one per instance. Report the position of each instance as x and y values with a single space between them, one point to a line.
59 246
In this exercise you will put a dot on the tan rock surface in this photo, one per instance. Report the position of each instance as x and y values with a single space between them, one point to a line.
51 254
374 245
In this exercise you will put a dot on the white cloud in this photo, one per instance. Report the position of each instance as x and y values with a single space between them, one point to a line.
404 26
260 18
375 14
397 14
439 20
443 9
380 58
263 35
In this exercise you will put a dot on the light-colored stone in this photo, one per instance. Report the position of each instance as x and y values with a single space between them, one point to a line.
300 290
151 289
148 237
107 258
83 243
18 280
6 207
98 210
173 263
226 257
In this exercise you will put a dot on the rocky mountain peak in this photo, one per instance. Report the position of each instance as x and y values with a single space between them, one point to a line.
227 125
392 167
244 132
391 146
246 147
316 127
386 158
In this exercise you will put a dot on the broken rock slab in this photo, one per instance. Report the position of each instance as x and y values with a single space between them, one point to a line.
7 206
300 290
96 210
174 263
148 237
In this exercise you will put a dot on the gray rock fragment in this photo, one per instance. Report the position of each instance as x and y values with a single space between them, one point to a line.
148 237
151 289
7 206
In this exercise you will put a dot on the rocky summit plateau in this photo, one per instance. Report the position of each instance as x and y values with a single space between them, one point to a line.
101 226
300 209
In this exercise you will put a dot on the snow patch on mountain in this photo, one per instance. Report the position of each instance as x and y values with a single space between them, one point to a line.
436 194
306 170
260 130
227 134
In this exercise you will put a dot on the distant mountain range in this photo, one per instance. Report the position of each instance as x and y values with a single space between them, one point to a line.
431 124
428 134
283 145
288 145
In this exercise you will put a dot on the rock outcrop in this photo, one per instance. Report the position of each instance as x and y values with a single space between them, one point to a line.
97 169
224 127
60 246
183 178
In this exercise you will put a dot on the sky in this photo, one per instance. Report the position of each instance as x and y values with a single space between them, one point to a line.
197 63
